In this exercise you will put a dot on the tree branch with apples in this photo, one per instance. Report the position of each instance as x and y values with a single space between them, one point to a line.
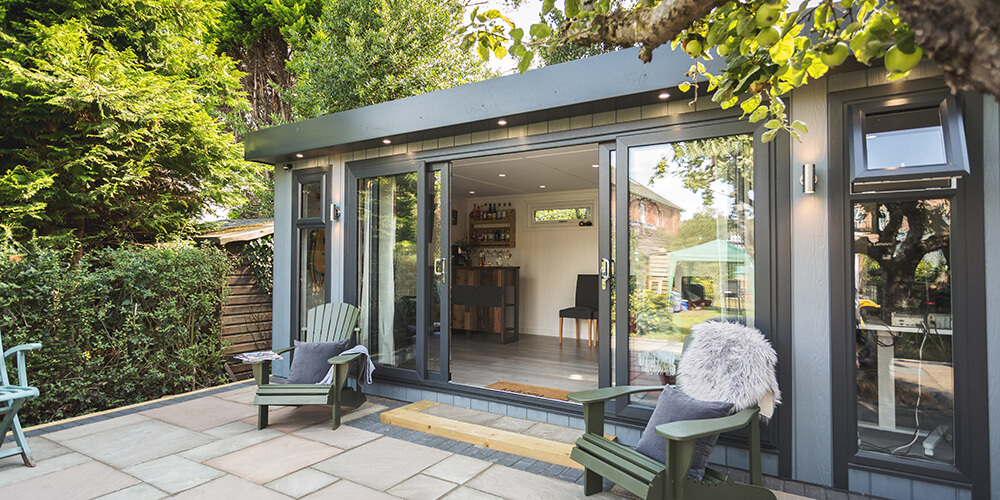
769 46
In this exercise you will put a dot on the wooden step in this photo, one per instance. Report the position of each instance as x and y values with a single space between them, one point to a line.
411 417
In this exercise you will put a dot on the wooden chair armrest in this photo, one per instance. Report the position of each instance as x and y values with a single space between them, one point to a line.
606 393
342 359
683 430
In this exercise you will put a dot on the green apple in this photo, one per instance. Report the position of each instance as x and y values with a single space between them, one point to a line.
767 37
835 55
767 15
693 47
898 61
723 49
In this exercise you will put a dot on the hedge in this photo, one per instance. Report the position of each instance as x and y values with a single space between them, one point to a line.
117 326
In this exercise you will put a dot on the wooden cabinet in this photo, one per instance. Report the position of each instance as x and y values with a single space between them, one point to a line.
485 299
493 232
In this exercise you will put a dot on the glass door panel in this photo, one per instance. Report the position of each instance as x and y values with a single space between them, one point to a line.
312 275
436 321
905 373
387 267
689 215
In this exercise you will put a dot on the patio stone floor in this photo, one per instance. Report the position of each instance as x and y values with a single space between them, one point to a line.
205 446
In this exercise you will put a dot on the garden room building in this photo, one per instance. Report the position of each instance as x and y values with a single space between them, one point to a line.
466 222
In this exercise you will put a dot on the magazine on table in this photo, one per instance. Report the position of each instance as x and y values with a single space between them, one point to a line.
258 356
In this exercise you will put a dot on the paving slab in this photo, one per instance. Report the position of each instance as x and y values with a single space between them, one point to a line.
84 481
511 424
382 463
270 460
301 483
173 474
457 468
112 422
242 395
462 414
41 449
554 432
230 444
230 487
465 493
293 418
515 484
230 429
140 491
421 487
345 437
202 413
21 472
347 489
133 444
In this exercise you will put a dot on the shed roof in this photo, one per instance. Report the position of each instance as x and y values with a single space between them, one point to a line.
589 85
239 230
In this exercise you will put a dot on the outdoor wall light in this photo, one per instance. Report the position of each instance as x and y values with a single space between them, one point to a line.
664 96
501 122
386 141
334 211
808 179
287 166
299 155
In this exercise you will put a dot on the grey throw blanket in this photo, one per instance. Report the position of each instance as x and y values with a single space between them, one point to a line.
365 371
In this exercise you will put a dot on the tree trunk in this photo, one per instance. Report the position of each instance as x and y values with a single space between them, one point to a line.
962 37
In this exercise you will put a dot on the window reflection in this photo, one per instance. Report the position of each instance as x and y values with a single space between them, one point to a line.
691 247
905 375
313 273
904 139
312 200
387 267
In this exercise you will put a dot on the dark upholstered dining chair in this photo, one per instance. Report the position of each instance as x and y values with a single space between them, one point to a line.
585 308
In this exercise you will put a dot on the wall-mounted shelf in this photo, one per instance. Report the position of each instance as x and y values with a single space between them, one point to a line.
493 232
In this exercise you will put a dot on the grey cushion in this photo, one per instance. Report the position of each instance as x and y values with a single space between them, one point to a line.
672 406
309 364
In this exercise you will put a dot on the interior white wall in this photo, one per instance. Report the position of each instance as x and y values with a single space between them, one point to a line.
550 258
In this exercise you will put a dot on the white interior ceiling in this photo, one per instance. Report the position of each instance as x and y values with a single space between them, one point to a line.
560 169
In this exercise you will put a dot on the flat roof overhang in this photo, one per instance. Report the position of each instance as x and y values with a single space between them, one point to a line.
589 85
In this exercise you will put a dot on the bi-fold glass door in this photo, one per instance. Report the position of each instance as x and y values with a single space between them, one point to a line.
399 272
684 211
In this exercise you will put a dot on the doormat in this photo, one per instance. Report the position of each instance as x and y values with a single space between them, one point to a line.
531 390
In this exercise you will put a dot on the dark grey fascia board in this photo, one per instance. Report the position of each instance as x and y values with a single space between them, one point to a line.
513 97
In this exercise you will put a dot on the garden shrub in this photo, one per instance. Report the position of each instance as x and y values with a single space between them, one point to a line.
118 327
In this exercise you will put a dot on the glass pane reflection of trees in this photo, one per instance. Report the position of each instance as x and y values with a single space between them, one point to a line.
387 267
905 376
691 245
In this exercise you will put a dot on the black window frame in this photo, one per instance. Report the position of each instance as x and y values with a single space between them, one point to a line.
956 157
969 360
300 177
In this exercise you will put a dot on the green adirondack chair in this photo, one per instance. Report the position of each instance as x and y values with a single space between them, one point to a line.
649 479
324 323
11 399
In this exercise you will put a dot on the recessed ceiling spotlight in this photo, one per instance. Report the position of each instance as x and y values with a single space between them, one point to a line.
664 95
501 122
542 186
503 175
596 166
472 192
298 155
386 141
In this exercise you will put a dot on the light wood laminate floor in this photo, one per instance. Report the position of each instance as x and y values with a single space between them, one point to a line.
481 360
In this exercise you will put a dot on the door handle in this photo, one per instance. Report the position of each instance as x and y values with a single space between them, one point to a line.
606 271
439 266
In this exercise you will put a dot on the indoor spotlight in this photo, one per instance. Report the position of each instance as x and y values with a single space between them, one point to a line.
664 95
299 155
501 122
386 141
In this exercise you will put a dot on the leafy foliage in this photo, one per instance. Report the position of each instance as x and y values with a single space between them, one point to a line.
364 52
120 327
259 257
769 46
109 112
